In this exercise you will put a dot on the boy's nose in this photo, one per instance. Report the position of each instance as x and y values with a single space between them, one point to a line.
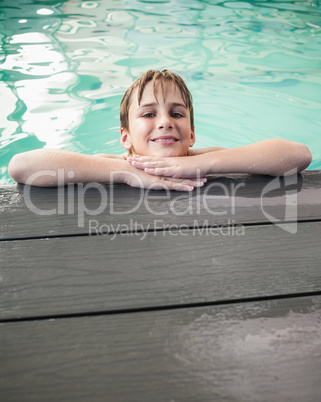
165 123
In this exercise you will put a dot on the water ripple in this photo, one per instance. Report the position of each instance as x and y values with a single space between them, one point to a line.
253 68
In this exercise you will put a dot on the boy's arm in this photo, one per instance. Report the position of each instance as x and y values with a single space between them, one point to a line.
48 168
274 157
113 156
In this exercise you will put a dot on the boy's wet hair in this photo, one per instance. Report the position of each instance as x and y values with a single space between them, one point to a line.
157 77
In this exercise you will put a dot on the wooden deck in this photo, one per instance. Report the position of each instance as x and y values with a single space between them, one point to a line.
110 293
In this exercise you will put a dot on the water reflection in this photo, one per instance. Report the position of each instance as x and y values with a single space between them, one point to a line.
37 75
253 69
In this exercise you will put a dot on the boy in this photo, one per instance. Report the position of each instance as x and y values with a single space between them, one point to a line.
157 130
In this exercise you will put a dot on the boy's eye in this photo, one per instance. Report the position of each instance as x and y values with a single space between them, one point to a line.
176 114
148 115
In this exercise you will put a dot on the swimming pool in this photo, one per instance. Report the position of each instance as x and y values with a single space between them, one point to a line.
253 68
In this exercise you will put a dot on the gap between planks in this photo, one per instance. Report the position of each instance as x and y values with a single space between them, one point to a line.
152 230
160 308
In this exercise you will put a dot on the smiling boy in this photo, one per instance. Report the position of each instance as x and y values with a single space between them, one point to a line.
159 123
157 130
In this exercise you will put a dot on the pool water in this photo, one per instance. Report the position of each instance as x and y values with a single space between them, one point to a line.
253 68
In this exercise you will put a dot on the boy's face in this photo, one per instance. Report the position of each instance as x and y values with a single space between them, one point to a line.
158 127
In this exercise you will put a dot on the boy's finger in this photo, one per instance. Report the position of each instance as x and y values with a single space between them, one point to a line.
182 187
137 165
138 158
197 183
145 164
159 171
143 158
172 186
189 182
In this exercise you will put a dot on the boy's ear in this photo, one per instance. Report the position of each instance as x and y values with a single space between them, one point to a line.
125 139
192 141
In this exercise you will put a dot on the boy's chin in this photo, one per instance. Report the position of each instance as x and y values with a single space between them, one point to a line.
169 153
162 153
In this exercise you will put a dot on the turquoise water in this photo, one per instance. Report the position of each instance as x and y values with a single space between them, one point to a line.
253 68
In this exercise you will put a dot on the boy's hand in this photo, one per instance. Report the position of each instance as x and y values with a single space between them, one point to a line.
174 167
139 178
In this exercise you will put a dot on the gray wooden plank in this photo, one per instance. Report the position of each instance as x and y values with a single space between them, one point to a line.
248 352
104 273
30 211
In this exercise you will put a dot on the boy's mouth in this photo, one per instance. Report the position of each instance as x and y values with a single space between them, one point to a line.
165 140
